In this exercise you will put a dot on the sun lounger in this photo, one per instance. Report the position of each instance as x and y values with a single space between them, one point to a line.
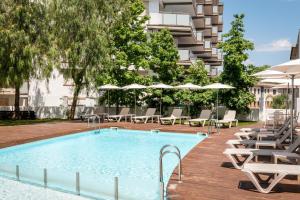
263 139
176 114
123 114
239 157
275 173
247 133
204 116
149 114
228 118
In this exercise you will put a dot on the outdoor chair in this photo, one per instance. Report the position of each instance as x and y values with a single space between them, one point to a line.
228 118
176 115
204 116
239 157
124 113
148 115
274 172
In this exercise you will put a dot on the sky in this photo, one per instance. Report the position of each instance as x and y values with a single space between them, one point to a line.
272 25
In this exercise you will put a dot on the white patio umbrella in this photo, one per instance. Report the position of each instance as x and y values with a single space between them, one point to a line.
217 86
291 68
108 87
134 87
269 74
160 86
188 86
286 84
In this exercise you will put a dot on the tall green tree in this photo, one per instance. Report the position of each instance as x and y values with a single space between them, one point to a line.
83 31
130 53
198 75
235 48
164 59
24 44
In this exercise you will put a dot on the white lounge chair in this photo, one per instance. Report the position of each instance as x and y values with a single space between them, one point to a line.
271 140
275 173
176 114
123 114
204 116
235 155
228 118
149 114
247 134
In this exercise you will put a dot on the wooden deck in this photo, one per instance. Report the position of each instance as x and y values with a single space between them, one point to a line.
207 173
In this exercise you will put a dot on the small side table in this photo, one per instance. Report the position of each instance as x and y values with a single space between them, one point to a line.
287 155
157 117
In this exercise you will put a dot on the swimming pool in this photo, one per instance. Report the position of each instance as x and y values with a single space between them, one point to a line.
132 156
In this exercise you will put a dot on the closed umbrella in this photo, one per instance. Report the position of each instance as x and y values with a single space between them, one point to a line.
134 87
217 86
188 86
292 69
108 87
160 86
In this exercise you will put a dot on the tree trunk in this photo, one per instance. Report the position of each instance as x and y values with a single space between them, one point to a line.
74 102
16 114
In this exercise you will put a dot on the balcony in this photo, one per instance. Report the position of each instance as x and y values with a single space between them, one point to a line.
207 45
178 24
200 10
186 57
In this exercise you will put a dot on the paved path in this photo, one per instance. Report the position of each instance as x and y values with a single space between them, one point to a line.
207 173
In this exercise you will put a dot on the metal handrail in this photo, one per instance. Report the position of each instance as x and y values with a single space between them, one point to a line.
93 118
164 152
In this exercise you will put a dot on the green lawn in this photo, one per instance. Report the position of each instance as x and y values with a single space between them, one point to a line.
26 122
241 123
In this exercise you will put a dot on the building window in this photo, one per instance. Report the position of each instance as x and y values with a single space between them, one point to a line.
254 91
274 92
258 90
268 91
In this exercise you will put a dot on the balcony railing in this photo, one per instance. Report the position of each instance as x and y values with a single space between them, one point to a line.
220 19
200 10
170 19
215 9
200 36
214 30
207 44
186 55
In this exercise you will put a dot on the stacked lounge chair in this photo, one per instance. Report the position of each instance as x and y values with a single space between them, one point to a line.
275 172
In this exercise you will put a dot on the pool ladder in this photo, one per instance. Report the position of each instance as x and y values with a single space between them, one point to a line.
164 151
93 119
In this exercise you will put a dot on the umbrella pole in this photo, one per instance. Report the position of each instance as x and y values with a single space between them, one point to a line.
108 103
287 101
218 131
292 108
135 102
160 103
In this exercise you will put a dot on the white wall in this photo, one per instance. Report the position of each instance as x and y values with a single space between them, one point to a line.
50 99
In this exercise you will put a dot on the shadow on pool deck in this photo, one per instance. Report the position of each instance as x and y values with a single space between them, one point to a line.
207 172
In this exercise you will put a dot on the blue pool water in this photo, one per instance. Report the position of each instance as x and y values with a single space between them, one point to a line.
133 156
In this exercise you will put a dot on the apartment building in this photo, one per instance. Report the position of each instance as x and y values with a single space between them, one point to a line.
295 51
196 26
